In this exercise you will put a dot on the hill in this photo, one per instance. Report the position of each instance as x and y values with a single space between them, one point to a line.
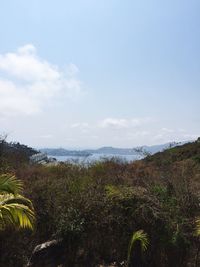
137 151
95 209
14 153
179 153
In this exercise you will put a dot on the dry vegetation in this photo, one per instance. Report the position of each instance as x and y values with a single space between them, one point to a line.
96 208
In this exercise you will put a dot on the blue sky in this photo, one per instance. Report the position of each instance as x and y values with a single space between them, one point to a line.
90 73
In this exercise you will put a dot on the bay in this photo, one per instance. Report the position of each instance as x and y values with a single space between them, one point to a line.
96 157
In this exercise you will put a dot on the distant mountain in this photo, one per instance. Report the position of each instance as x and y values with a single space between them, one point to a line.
140 151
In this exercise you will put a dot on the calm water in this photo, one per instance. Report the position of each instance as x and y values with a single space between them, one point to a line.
96 157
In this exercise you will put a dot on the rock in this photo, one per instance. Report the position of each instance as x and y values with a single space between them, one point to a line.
48 254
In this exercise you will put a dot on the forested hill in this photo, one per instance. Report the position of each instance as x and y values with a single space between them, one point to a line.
14 153
179 153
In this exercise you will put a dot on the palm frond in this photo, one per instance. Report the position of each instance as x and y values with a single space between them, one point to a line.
9 184
15 210
140 236
18 199
198 227
18 215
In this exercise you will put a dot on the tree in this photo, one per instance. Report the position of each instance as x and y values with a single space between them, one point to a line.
15 209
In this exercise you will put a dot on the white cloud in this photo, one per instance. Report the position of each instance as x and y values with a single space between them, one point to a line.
15 99
167 130
165 135
27 49
46 136
114 131
28 81
109 124
120 123
128 132
27 66
80 125
113 123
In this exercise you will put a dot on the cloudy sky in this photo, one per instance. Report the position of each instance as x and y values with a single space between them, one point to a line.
91 73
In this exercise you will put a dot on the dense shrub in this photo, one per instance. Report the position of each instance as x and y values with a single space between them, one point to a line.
96 208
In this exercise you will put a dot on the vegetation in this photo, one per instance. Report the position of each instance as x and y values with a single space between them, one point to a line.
198 227
138 244
95 209
15 210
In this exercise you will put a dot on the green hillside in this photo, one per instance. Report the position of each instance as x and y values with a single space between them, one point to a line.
178 153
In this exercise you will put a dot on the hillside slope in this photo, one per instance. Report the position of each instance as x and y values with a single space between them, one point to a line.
175 154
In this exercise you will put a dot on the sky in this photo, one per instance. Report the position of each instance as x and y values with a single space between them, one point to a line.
92 73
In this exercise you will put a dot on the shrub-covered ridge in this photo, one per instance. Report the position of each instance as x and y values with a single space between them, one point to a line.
96 208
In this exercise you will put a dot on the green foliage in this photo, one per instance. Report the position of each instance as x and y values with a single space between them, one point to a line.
10 185
121 191
70 224
176 154
197 158
15 210
141 237
198 227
